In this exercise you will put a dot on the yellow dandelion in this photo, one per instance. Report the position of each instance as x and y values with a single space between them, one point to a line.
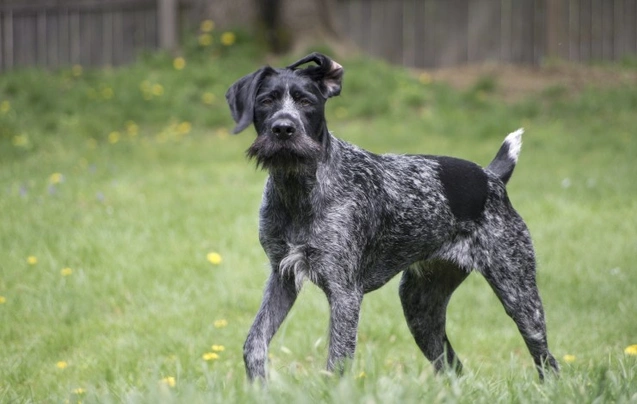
205 39
5 106
157 90
179 63
32 260
361 375
113 137
61 365
210 356
207 25
168 381
222 133
76 70
221 323
79 391
107 93
208 98
228 38
425 78
631 350
56 178
131 128
184 128
3 300
218 348
66 271
214 258
569 358
20 140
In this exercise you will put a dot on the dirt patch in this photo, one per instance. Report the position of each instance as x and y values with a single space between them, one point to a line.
513 83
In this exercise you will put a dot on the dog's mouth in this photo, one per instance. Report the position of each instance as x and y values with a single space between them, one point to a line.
297 152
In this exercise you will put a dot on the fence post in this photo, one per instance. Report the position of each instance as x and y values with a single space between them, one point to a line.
167 24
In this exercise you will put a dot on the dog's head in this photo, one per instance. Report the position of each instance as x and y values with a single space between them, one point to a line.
287 108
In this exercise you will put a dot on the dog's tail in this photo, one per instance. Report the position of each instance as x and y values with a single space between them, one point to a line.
504 162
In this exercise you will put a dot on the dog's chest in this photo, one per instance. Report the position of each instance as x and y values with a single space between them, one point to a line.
285 237
300 227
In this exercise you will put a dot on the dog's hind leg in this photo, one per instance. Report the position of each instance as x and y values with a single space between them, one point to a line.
511 275
424 296
278 298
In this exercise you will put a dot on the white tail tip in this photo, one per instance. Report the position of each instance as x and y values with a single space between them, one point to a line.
514 141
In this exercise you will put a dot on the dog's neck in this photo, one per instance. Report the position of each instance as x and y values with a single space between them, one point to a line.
294 186
293 189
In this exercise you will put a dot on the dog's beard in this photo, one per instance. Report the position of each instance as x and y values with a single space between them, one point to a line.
297 153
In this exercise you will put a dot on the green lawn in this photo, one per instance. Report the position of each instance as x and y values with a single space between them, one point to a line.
119 183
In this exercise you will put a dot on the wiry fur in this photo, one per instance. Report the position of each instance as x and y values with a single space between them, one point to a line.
350 220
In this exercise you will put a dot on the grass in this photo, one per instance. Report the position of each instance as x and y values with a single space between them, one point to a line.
120 182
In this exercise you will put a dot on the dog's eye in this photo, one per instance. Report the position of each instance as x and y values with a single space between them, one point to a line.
266 102
304 102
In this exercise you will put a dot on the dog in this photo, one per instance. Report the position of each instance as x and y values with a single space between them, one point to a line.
349 220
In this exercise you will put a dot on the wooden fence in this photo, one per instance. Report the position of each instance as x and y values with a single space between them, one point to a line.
56 33
434 33
592 29
419 33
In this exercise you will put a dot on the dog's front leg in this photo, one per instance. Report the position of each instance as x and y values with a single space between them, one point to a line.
345 305
278 297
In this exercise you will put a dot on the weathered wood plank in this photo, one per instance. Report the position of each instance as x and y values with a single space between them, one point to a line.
597 15
586 30
618 29
409 33
630 28
506 28
429 48
7 44
538 39
75 36
607 30
484 31
574 31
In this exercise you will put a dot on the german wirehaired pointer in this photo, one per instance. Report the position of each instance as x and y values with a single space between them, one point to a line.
350 220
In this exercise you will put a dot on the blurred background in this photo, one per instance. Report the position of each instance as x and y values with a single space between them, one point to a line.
130 265
415 33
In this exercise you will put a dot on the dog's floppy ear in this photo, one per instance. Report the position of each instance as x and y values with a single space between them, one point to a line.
327 73
241 96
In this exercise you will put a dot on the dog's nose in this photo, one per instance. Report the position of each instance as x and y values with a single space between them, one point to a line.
283 128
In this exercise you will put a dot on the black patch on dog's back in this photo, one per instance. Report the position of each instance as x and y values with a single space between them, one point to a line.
465 186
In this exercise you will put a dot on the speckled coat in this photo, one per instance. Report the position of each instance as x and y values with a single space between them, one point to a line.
349 220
